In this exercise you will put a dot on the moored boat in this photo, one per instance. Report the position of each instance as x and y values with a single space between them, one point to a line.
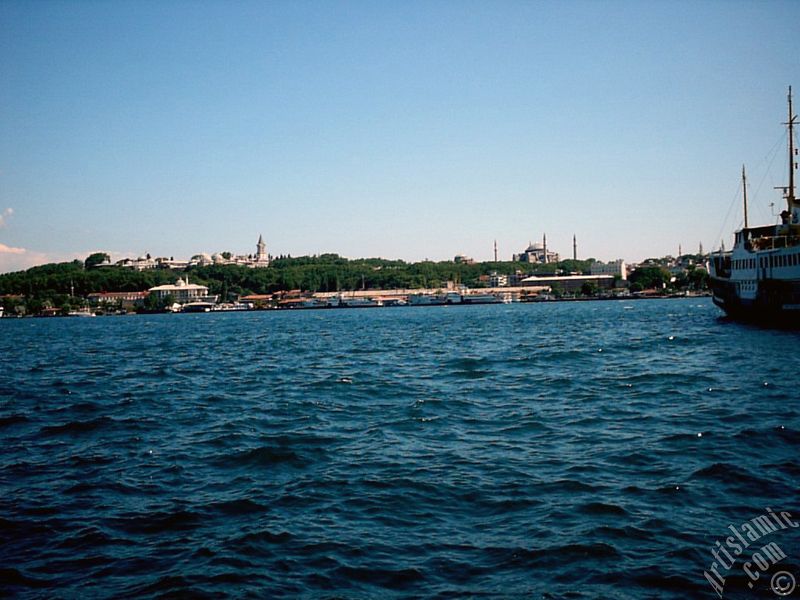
481 299
426 299
759 279
358 302
197 307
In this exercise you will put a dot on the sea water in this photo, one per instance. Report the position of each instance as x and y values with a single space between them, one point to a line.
557 450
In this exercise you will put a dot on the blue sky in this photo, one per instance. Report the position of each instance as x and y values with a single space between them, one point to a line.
398 129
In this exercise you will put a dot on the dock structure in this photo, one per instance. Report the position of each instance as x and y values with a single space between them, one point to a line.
520 290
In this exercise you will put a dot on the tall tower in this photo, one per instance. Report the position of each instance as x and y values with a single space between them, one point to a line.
261 250
495 251
701 249
544 247
574 247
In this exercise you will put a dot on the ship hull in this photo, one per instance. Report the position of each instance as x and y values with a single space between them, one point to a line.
777 302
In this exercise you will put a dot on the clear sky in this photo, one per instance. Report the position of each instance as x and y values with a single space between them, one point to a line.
415 129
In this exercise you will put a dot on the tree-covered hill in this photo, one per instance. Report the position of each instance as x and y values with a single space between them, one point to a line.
325 273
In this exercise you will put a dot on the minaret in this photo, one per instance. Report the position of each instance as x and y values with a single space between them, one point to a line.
700 251
544 246
495 251
680 251
574 247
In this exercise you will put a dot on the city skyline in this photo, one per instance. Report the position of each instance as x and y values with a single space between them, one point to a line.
407 132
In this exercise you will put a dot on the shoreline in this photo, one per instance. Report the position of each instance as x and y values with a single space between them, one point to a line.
366 293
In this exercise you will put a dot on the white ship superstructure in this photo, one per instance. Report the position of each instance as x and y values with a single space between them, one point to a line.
759 279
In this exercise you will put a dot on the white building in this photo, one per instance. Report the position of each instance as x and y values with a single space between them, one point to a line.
616 268
497 280
183 291
257 260
143 263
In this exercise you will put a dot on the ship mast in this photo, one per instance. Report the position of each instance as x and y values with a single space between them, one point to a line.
744 193
790 198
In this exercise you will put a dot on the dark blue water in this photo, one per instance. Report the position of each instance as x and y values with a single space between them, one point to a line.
546 451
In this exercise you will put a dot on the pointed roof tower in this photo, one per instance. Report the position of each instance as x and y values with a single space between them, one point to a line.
261 248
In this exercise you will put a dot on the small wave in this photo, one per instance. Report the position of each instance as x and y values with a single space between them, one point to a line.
91 538
22 528
654 578
566 485
157 522
12 578
241 506
788 467
395 579
551 555
77 427
261 544
13 420
628 532
768 437
169 586
264 456
601 508
724 472
470 368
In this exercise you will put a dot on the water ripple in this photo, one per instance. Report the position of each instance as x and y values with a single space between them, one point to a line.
575 450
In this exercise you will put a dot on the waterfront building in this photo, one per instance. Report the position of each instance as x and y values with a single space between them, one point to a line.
570 283
497 280
183 291
124 300
616 268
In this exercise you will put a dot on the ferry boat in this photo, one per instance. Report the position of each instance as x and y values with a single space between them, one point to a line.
759 279
314 303
197 307
435 299
356 302
482 299
425 299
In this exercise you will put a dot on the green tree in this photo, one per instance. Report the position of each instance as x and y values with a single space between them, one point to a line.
699 279
650 277
152 303
96 259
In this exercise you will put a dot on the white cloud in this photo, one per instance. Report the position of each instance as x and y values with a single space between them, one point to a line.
19 259
11 250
